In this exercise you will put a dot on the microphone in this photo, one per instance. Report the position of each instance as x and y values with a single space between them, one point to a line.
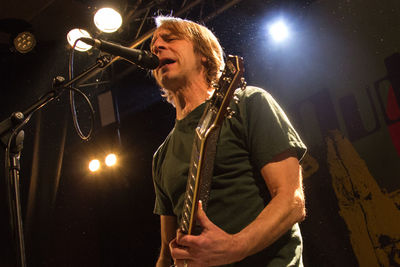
142 58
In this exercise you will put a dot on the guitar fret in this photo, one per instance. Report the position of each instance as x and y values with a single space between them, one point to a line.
185 225
188 210
190 187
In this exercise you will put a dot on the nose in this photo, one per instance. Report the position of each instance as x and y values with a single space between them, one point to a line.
158 45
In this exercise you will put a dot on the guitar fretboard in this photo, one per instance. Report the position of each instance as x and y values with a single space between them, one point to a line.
193 186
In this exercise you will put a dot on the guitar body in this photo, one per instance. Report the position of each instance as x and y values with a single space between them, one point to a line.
205 143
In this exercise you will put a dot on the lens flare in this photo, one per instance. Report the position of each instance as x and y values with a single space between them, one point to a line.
111 160
94 165
279 31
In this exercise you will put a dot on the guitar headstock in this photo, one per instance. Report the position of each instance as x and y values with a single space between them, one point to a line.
230 80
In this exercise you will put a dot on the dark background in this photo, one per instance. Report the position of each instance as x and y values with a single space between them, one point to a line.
76 218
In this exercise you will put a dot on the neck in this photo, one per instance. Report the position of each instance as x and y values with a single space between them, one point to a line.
189 97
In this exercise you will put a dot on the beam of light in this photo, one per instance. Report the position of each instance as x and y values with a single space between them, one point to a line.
107 20
94 165
278 31
111 160
75 34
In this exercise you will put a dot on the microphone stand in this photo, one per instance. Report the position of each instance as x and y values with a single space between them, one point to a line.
12 137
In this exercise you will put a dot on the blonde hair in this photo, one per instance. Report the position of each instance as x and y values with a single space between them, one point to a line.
204 43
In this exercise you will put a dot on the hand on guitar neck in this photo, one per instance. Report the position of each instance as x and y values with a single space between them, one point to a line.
206 248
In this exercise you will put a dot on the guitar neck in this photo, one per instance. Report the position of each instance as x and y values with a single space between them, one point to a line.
200 170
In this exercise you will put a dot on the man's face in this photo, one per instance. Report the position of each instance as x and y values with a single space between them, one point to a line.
179 64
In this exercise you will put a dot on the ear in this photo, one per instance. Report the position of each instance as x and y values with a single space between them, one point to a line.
203 59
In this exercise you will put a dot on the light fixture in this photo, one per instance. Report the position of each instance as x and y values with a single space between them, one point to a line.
94 165
278 31
24 42
110 160
75 34
107 20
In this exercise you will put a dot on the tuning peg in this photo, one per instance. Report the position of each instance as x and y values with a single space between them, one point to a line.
243 83
229 113
227 79
214 85
236 99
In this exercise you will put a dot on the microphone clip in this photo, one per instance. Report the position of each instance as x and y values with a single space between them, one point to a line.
104 60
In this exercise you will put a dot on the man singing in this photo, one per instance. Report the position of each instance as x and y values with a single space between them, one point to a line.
256 197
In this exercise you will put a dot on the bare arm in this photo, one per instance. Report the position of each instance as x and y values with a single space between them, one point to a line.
284 181
215 247
168 232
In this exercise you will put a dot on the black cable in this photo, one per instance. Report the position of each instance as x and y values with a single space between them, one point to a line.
72 99
74 115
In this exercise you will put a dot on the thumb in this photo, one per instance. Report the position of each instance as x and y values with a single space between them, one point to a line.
202 217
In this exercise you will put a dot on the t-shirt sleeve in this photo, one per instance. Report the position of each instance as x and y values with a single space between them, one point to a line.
162 204
269 129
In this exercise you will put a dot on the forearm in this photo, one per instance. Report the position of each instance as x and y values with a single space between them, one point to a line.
168 232
276 219
164 262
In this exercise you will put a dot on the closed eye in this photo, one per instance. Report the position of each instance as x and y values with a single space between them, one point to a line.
169 37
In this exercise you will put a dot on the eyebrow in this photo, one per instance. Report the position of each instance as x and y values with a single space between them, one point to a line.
163 36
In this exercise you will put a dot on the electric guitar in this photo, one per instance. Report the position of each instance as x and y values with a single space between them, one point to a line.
205 142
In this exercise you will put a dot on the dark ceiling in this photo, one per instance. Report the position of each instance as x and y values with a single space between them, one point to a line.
50 21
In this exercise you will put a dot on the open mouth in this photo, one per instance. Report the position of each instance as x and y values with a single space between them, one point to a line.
166 61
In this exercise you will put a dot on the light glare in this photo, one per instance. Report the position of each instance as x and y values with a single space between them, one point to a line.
111 159
94 165
107 20
279 31
75 34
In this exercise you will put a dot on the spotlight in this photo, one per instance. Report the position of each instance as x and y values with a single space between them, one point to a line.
24 42
94 165
111 159
279 31
107 20
75 34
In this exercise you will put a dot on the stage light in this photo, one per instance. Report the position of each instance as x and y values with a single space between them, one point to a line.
279 31
107 20
111 159
24 42
94 165
75 34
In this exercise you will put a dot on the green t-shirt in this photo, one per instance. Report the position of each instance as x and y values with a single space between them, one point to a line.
257 131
